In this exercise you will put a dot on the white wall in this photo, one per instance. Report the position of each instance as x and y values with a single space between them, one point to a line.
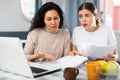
11 18
117 34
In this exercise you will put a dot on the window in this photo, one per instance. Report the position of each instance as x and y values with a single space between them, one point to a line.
110 10
28 8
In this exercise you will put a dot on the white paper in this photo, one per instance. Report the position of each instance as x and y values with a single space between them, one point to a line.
70 61
66 61
62 63
99 51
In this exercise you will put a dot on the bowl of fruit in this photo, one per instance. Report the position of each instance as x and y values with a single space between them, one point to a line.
110 70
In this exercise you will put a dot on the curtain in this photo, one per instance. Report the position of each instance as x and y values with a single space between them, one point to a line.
71 12
38 4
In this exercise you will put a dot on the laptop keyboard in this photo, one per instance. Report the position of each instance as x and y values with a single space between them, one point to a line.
37 70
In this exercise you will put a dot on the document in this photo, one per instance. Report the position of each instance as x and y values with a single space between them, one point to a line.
70 61
62 63
99 51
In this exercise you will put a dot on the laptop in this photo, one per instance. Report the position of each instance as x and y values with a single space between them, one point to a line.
13 59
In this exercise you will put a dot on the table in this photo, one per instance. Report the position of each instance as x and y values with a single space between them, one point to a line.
54 76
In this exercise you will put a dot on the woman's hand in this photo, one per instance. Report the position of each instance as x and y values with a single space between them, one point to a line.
110 57
40 55
46 56
73 53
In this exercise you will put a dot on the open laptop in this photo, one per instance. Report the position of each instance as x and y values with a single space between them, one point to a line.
13 59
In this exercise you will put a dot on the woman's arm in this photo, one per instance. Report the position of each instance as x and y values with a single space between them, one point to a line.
74 50
67 44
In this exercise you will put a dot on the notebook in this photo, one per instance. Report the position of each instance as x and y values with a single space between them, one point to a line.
13 59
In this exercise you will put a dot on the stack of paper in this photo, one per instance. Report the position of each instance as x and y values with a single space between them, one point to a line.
66 61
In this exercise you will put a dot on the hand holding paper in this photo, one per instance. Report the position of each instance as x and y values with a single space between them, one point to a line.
99 51
111 57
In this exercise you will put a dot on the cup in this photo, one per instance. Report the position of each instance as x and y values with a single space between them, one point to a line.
93 70
70 73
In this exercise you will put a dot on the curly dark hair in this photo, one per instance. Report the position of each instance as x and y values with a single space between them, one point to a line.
38 20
